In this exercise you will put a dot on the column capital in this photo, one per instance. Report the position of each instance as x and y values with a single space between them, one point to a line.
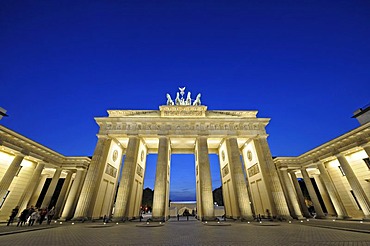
339 154
365 145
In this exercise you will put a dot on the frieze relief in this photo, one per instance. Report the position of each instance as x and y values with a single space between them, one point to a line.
208 126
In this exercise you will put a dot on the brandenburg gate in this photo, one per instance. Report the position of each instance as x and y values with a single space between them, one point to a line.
250 183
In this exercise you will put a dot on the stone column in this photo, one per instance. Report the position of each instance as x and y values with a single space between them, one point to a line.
205 181
62 195
300 196
86 200
128 175
324 195
311 191
31 187
10 173
36 194
291 194
51 189
333 193
355 185
271 178
160 187
73 195
239 181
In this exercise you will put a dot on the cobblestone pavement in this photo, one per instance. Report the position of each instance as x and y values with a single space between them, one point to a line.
187 233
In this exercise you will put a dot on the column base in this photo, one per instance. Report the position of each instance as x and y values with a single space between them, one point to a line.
82 219
246 218
158 219
208 218
119 219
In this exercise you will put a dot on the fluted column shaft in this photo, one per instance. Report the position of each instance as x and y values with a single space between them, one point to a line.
90 187
10 173
160 187
271 177
128 175
73 195
355 185
300 196
51 189
31 187
239 181
205 179
324 195
333 193
62 195
312 193
291 194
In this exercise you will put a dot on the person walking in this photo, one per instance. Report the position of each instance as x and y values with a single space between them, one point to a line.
43 214
12 215
23 217
34 217
51 214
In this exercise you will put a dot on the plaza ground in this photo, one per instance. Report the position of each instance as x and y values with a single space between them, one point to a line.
192 232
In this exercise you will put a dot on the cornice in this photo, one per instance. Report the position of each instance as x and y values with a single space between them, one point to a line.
21 144
343 144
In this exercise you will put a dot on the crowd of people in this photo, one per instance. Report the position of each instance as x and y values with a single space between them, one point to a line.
31 215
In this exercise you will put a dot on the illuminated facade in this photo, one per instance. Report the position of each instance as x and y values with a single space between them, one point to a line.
336 174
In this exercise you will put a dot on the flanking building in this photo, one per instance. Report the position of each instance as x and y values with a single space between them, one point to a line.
336 175
34 175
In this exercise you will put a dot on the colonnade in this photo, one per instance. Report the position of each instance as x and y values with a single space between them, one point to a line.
33 181
341 182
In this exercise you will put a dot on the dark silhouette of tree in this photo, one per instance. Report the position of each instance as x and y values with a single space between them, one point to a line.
217 196
147 200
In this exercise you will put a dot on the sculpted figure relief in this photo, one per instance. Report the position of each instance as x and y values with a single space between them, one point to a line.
177 100
197 100
180 100
188 99
169 100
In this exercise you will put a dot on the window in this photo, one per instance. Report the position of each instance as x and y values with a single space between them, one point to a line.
341 170
4 198
354 197
367 161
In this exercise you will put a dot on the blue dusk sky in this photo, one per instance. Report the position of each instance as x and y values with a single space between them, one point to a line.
304 64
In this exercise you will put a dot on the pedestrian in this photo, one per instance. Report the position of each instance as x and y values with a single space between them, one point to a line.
43 214
12 215
23 217
34 217
178 217
50 215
